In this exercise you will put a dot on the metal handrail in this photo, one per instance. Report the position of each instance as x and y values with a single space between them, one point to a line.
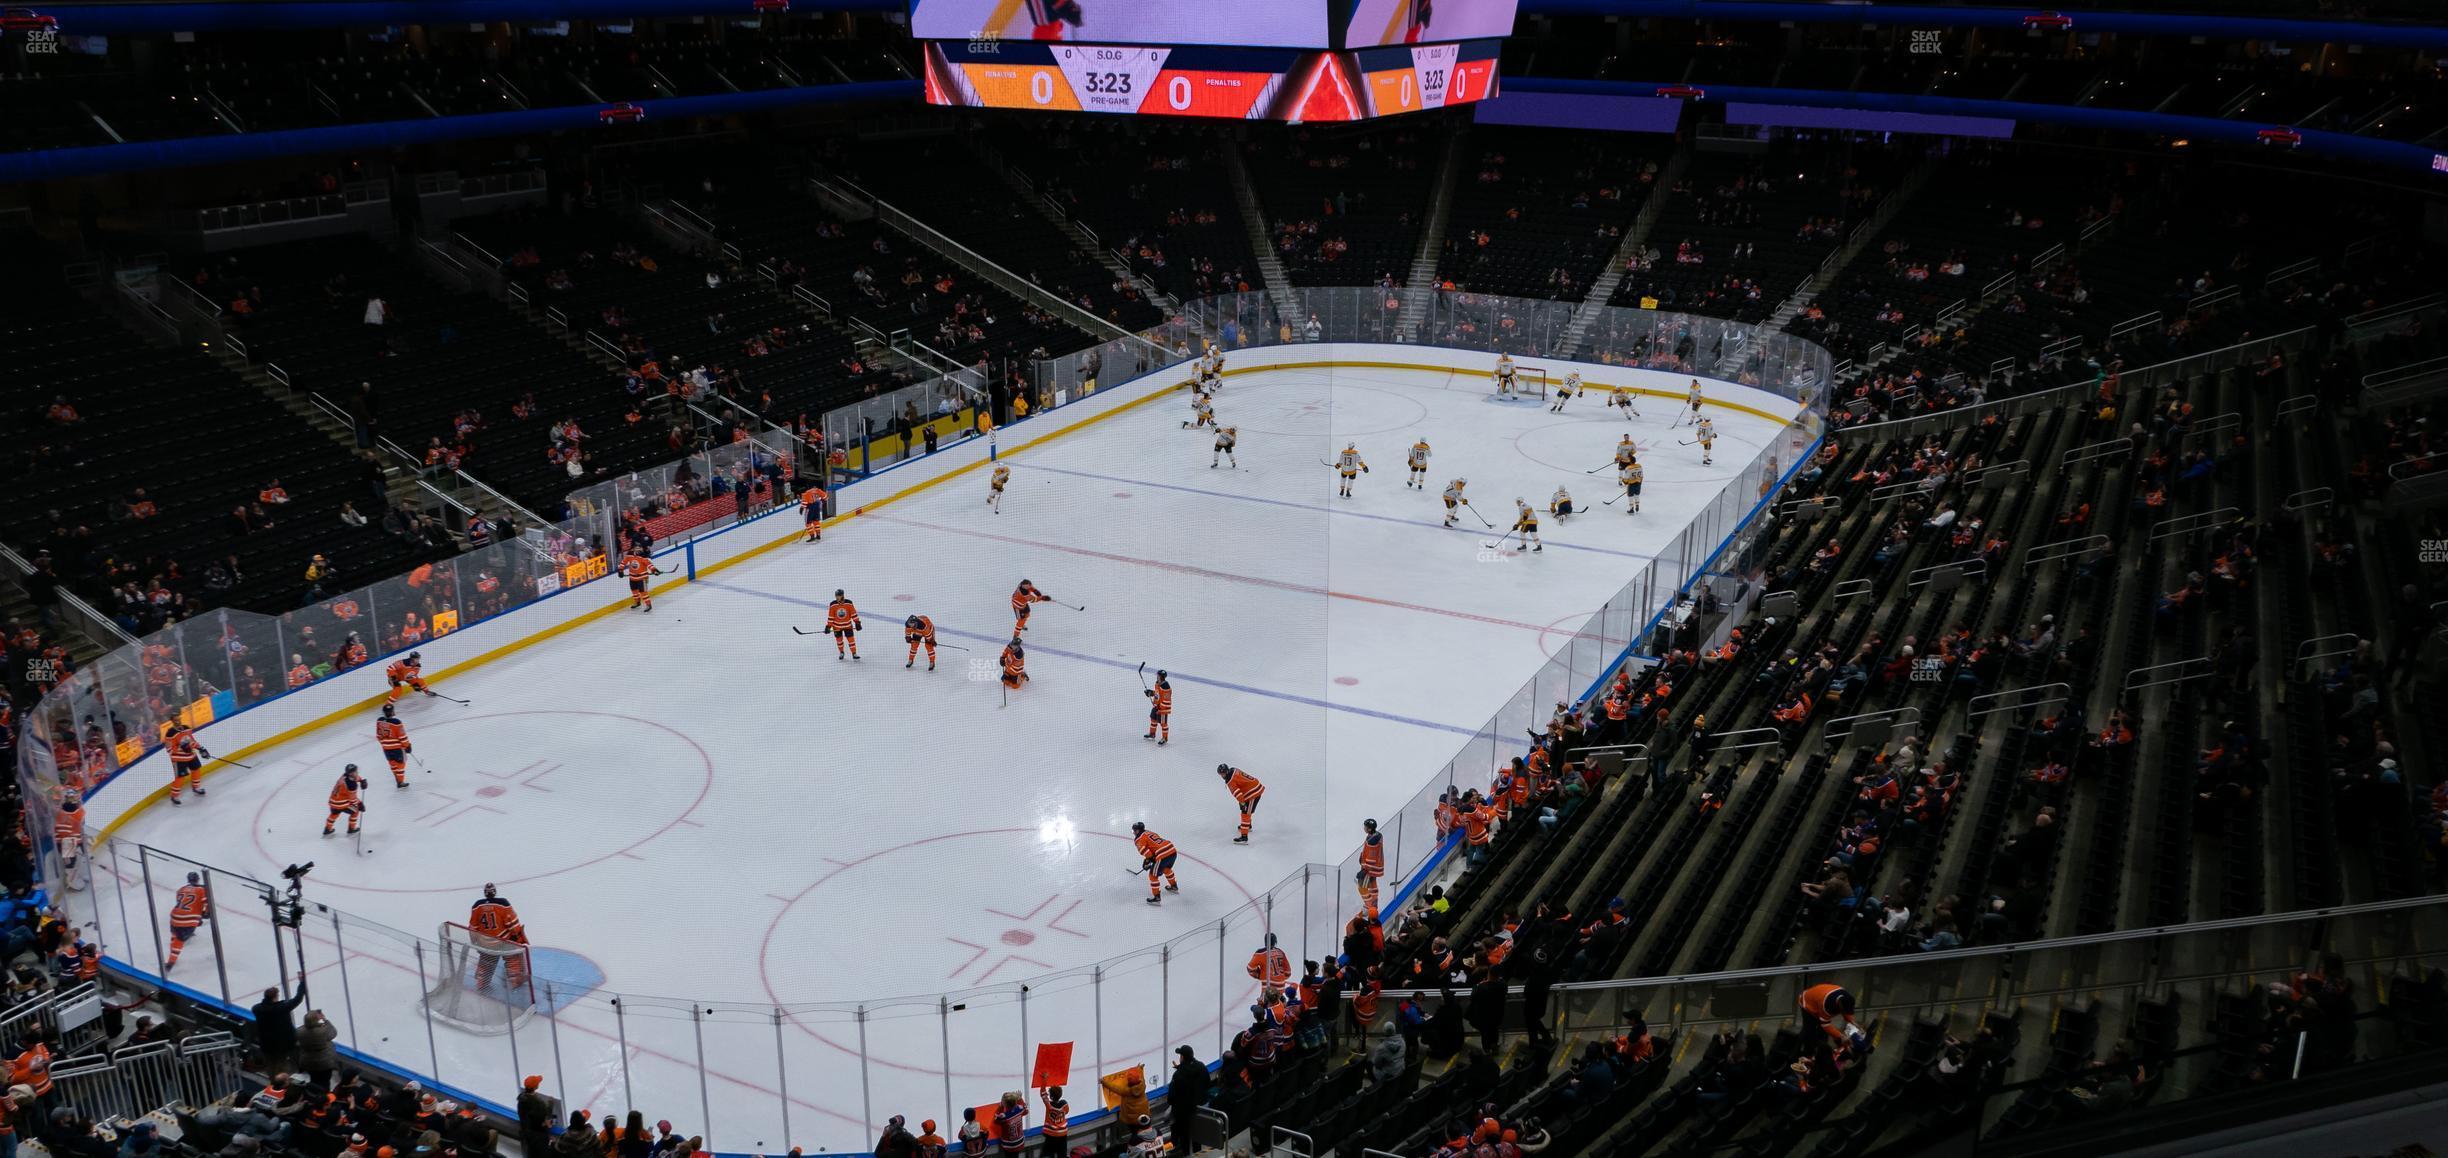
813 298
2137 322
1970 569
2407 372
469 244
1908 715
2299 404
2091 451
2214 297
534 520
1850 589
2167 673
2305 500
2056 694
2192 523
102 629
2051 552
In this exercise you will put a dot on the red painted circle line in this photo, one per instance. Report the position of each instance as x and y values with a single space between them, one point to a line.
255 828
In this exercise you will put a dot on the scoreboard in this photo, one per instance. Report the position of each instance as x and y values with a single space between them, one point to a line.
1209 81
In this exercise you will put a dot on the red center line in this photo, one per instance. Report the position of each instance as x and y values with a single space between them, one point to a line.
1205 573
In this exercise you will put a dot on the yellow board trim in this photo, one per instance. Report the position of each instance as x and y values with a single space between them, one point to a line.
472 662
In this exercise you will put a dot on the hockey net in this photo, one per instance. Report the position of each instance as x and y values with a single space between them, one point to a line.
482 984
1529 384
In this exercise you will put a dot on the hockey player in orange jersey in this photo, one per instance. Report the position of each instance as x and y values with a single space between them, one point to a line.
639 567
406 673
492 916
1015 664
188 913
1160 710
1156 856
393 736
842 621
346 799
919 629
1245 790
1023 595
187 757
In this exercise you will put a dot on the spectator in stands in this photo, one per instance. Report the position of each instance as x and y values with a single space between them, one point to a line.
579 1139
318 1053
534 1118
275 1034
1387 1061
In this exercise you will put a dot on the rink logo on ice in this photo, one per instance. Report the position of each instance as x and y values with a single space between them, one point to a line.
981 670
1494 555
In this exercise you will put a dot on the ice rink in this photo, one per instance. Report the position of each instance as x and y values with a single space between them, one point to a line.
700 801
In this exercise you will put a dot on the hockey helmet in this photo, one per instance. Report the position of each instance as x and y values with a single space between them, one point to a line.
837 594
1137 827
1369 825
416 657
195 878
490 891
390 710
913 621
1223 769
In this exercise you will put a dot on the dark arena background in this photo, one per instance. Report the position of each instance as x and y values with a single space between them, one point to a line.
1906 613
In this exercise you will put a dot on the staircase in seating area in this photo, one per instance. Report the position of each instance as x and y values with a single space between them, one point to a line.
1082 238
1422 280
1860 239
1602 288
1262 240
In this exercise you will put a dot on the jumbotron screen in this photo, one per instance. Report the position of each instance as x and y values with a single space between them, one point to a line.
1241 23
1192 81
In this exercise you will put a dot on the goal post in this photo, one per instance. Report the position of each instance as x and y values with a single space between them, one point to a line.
1529 383
478 983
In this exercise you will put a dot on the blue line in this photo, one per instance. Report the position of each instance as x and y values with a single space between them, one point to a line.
1308 507
1039 649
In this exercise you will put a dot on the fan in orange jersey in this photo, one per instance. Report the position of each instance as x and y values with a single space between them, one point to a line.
1160 710
842 620
1156 856
1023 595
919 629
404 674
68 832
186 760
393 736
1372 865
491 916
345 799
1015 664
811 513
1246 790
639 567
187 914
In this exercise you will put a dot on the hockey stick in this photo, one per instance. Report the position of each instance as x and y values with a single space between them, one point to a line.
1685 441
1476 515
796 628
453 699
233 763
421 765
1499 543
358 834
1072 606
1143 684
1006 695
1615 500
1599 467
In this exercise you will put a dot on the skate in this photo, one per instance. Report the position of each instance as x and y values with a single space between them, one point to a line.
199 790
175 802
910 664
327 834
1154 899
1163 742
1241 839
1540 547
930 665
1149 736
1172 888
